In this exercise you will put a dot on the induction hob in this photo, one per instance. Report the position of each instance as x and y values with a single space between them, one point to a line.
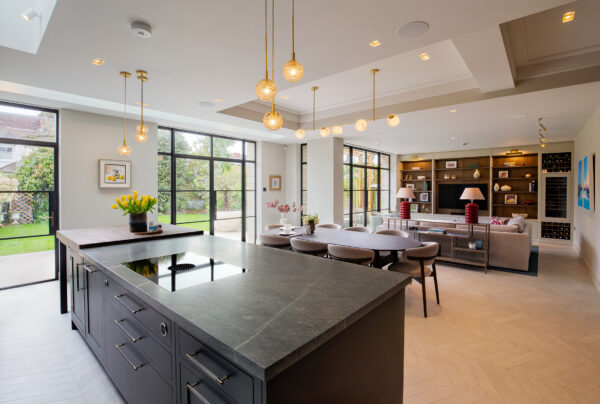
178 271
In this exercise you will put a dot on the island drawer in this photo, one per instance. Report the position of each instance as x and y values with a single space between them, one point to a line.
157 324
222 374
136 379
138 337
196 388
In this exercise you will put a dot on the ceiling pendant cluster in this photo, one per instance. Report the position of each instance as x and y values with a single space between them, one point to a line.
141 133
266 89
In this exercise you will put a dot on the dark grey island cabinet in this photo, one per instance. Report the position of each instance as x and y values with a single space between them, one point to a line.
288 329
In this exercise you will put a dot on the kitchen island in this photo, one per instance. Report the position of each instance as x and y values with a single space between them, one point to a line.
264 326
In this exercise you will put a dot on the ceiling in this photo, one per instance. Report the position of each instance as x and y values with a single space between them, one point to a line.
201 51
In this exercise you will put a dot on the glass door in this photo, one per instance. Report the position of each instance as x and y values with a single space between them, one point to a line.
28 197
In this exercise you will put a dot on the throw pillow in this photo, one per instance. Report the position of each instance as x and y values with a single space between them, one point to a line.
498 220
518 221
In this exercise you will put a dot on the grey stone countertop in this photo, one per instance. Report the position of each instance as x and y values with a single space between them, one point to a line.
285 306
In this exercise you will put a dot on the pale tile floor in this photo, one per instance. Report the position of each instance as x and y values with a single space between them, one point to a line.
496 338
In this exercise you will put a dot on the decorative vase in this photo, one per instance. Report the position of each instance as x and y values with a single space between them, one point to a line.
476 174
496 187
311 227
138 222
505 188
283 219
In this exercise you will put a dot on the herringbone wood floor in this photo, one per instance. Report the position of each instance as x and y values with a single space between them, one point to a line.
495 338
506 338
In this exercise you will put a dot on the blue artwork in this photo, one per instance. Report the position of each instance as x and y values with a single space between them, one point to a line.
585 183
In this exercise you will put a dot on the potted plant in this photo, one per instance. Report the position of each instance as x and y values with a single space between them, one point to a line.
283 209
137 209
311 221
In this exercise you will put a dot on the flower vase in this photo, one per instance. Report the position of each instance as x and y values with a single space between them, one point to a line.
283 219
138 222
311 226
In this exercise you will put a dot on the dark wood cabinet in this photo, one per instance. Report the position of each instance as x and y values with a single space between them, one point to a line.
77 291
94 290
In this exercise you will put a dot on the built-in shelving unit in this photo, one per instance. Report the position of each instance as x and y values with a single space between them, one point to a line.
419 176
521 174
462 170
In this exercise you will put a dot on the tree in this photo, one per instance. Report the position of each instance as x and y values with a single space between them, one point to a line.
35 172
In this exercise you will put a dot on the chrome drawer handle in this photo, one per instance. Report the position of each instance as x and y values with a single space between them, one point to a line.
133 339
133 311
90 270
205 369
191 388
133 365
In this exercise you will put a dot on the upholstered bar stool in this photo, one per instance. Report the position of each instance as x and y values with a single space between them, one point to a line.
273 226
270 240
351 254
416 265
309 247
330 226
361 229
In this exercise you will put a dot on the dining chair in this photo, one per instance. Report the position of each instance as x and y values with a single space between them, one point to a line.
386 256
351 254
361 229
416 265
309 247
269 240
330 226
273 226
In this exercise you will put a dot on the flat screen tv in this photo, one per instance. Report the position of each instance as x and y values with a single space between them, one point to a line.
449 196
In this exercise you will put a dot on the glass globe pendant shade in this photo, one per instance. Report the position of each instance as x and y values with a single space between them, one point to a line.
266 90
325 131
141 133
393 120
337 130
360 125
273 120
293 70
300 133
124 150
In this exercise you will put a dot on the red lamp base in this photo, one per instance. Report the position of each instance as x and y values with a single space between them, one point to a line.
471 213
404 210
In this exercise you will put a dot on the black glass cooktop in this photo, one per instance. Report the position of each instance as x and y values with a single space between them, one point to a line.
179 271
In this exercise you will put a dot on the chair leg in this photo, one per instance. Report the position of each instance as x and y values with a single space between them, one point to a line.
437 294
423 288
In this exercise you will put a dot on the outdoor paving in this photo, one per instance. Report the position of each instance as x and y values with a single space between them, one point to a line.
19 269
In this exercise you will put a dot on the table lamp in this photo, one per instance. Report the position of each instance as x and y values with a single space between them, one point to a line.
405 193
471 209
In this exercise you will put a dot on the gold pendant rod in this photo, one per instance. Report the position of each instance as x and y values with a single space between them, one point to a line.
293 46
314 90
266 46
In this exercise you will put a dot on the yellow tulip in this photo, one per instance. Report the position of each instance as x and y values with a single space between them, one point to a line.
129 198
123 198
155 200
135 194
124 203
144 203
114 206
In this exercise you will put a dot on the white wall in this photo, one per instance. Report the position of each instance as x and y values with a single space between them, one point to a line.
292 179
271 160
84 139
587 224
325 179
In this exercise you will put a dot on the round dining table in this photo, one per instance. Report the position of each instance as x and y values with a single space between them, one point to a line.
370 241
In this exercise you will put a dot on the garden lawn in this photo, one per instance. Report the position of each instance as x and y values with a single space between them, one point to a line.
25 245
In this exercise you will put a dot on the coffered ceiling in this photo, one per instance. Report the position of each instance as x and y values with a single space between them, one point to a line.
203 51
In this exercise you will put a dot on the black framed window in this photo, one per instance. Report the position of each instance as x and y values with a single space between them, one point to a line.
303 178
366 184
207 182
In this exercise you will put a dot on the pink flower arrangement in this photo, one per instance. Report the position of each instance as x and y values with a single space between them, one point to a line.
285 208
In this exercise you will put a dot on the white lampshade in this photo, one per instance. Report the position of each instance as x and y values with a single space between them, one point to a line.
405 193
472 194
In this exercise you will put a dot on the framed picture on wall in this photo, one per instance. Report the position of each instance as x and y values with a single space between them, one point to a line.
274 182
502 174
586 182
424 197
114 173
410 186
451 164
510 199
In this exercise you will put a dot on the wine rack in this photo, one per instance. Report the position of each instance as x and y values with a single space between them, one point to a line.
556 162
554 230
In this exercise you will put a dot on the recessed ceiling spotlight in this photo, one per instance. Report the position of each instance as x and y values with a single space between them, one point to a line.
568 16
284 97
29 14
374 43
452 110
412 29
218 100
206 104
452 138
141 29
424 56
98 61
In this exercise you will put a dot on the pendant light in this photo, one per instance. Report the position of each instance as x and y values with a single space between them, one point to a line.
266 90
337 130
141 133
125 150
273 119
292 69
393 120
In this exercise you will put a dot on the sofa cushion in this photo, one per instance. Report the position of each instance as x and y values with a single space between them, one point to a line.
498 220
518 221
505 228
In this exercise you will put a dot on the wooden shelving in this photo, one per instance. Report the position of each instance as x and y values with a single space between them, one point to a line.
408 173
522 172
